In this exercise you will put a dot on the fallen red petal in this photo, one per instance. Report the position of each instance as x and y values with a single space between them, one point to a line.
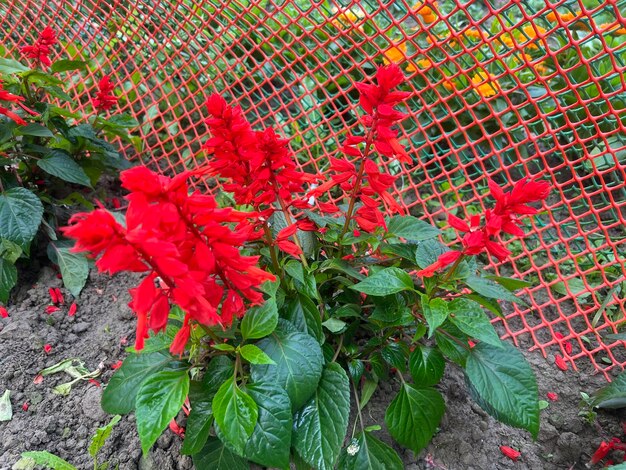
53 295
47 348
117 365
552 396
176 429
25 406
94 382
510 452
72 310
560 362
3 312
59 295
38 379
51 309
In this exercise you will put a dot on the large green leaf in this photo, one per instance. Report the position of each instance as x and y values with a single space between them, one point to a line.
435 312
65 65
216 456
385 282
413 416
469 317
159 400
320 426
303 313
10 66
428 252
613 395
235 413
74 267
63 166
201 395
120 393
35 130
504 385
102 434
368 453
426 365
491 289
8 279
260 321
298 368
20 215
45 459
270 441
411 228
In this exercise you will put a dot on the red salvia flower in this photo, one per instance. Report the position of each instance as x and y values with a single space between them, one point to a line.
105 99
188 247
10 97
176 428
510 453
42 48
72 311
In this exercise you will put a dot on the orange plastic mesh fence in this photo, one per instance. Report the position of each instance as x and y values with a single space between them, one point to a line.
500 88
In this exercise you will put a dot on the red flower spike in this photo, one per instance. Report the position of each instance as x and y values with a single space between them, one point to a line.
72 311
4 312
47 348
510 453
552 396
560 362
41 50
6 96
105 99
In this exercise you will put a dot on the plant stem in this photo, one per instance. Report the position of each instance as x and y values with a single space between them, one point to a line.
452 269
272 248
338 350
358 408
289 220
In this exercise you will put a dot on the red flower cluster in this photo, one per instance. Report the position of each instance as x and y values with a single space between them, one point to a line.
105 99
6 96
481 237
183 242
369 184
41 50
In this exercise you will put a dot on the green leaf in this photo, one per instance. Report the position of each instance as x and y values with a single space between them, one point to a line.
504 385
426 365
298 368
74 267
20 215
8 279
490 304
6 411
254 355
334 325
385 282
303 280
411 228
223 347
428 252
102 434
491 289
303 313
270 442
159 400
35 130
611 396
235 413
65 65
320 426
201 395
9 66
510 283
435 312
120 393
451 348
371 454
469 317
395 354
260 321
413 416
47 460
216 456
64 167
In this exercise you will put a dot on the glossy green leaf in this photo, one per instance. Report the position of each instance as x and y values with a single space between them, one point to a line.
411 228
8 279
159 400
64 167
35 130
65 65
121 391
611 396
491 289
426 365
452 343
20 215
254 355
235 413
510 283
260 321
320 426
385 282
46 460
428 252
270 442
414 415
469 317
435 312
366 452
74 267
102 434
10 66
304 314
504 385
216 456
201 394
298 368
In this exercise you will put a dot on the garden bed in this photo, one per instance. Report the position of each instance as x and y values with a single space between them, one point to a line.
468 437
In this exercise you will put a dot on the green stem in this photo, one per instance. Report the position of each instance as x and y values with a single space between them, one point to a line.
358 408
272 248
338 350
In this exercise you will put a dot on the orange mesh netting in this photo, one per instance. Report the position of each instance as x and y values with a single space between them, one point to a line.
500 88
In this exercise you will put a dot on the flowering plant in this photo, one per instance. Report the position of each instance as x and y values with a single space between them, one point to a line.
44 145
262 317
